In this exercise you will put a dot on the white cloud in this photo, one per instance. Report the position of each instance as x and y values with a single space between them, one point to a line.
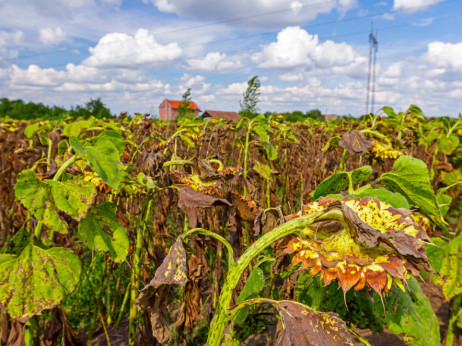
445 55
386 16
291 77
295 47
12 38
214 61
122 50
263 13
196 83
52 37
410 6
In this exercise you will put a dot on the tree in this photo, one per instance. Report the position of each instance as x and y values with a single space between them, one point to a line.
94 107
250 98
183 108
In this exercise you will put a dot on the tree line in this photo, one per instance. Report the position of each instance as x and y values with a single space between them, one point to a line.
18 109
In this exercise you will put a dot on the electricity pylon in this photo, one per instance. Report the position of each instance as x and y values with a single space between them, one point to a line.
374 46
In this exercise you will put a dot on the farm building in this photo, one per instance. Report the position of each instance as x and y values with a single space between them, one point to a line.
221 115
168 109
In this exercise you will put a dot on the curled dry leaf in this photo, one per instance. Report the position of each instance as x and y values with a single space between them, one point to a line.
190 200
154 296
303 326
355 142
381 245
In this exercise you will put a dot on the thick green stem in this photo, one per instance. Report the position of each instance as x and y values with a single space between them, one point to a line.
222 315
218 237
64 166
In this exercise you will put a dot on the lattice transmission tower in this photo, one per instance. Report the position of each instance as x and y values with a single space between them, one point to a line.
374 47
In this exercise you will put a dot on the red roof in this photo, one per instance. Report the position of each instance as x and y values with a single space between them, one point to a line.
176 104
222 114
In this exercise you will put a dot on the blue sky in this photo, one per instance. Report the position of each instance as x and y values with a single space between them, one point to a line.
308 54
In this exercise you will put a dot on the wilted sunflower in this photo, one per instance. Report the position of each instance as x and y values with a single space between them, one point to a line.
384 151
371 244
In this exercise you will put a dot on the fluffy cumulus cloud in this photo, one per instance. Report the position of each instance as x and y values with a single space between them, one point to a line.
410 6
295 47
52 37
141 49
428 80
214 61
262 13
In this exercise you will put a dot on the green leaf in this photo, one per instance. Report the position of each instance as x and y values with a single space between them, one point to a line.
74 128
446 259
261 133
44 199
103 158
101 231
444 201
251 289
396 200
411 179
270 151
448 144
339 182
410 313
36 280
116 138
264 170
31 129
389 111
18 242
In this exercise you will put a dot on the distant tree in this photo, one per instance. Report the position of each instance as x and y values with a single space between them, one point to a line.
94 107
183 108
315 114
251 97
17 109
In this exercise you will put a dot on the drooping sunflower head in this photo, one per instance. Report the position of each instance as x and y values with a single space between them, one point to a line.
371 244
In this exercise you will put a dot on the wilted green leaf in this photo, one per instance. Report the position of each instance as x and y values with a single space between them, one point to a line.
389 111
74 128
411 179
270 152
36 280
396 200
339 182
410 313
446 259
103 157
264 170
31 129
17 243
252 287
101 231
44 198
448 144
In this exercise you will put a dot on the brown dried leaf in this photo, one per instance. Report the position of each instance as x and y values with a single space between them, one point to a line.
303 326
191 199
154 295
355 142
247 209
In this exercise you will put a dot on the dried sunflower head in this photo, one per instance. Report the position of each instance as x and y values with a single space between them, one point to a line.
212 188
384 151
371 243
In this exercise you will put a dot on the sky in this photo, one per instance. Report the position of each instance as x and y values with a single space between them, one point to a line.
308 54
